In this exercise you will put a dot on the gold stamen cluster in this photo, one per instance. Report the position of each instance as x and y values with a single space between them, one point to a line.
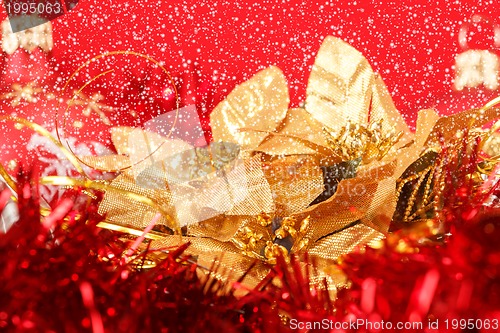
254 244
355 140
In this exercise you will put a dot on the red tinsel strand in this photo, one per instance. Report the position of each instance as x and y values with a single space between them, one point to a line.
69 278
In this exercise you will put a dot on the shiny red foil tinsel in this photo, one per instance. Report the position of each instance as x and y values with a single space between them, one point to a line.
64 274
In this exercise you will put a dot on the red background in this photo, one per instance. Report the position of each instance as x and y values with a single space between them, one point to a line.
410 43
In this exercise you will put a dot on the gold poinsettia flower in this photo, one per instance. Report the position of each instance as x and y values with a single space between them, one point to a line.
321 179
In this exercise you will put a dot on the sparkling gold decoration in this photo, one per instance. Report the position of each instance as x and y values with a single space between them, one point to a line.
263 244
248 242
355 140
474 68
419 186
273 250
29 39
28 93
91 105
264 219
344 88
200 161
255 116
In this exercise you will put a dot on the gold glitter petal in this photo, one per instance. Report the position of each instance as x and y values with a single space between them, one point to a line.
260 103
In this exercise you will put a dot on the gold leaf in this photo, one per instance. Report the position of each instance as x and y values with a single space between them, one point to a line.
299 133
339 87
343 88
260 103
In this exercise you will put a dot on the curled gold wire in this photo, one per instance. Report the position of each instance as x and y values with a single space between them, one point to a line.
42 131
60 131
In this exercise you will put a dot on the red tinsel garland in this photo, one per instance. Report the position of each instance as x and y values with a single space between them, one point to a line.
64 274
70 276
